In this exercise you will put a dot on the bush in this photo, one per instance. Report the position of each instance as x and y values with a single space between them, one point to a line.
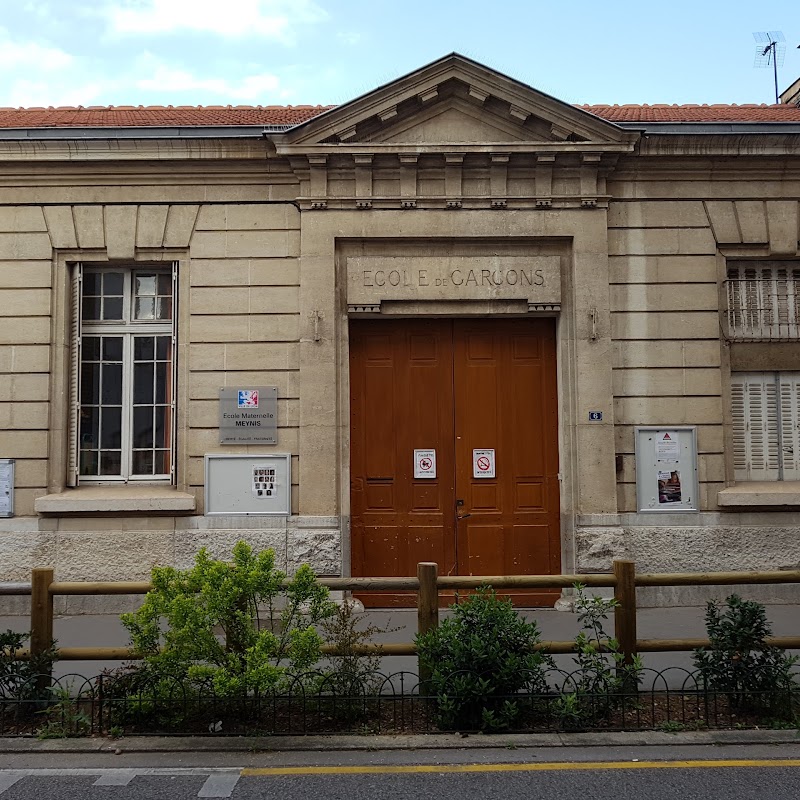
19 686
739 662
602 679
177 628
478 660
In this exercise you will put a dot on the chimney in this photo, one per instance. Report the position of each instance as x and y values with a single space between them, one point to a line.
791 96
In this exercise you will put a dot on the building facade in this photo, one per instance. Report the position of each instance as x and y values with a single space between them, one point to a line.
455 319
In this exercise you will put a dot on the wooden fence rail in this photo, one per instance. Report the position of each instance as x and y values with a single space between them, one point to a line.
427 584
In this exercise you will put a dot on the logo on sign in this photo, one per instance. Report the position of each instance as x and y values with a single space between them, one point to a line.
484 465
248 398
425 463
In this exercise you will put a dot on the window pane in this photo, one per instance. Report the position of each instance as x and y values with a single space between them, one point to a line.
91 308
90 384
143 462
112 308
162 373
112 384
143 383
144 308
90 427
161 426
145 284
143 348
89 462
165 283
112 283
110 462
161 462
164 305
91 349
143 426
112 348
91 283
163 348
111 428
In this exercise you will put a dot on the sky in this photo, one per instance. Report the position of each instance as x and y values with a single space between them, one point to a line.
297 52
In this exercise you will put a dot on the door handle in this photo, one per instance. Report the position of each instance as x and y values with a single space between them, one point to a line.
463 516
459 504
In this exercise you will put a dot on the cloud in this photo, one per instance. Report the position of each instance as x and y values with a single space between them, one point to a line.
19 55
166 78
269 19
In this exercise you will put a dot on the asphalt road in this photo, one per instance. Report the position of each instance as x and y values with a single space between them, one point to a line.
652 773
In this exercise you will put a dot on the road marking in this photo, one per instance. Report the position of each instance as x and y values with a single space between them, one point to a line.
219 784
116 777
8 779
538 767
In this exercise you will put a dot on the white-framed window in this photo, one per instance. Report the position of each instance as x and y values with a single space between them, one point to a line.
766 425
763 301
122 425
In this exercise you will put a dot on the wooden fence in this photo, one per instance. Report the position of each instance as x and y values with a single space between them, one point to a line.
624 580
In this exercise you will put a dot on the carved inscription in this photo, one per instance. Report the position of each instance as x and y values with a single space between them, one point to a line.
372 279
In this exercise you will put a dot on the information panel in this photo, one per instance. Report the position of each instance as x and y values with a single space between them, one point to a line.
666 469
248 484
6 487
248 415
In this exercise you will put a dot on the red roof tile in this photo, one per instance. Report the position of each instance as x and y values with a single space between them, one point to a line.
187 116
695 113
146 116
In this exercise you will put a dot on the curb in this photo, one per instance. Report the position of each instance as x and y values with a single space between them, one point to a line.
254 744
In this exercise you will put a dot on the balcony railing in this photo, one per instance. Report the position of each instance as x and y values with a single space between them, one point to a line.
763 303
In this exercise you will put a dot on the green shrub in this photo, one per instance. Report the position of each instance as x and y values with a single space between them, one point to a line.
18 678
478 660
202 627
602 679
739 662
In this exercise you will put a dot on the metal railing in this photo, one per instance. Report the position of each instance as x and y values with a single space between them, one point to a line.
763 304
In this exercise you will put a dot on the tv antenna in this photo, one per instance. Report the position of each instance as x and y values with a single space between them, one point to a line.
770 52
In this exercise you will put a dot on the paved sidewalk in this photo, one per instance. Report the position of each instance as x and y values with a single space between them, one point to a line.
434 741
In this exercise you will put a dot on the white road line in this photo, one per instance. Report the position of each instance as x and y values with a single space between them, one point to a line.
116 777
8 779
219 784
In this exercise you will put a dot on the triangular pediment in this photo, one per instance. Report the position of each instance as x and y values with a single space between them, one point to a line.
454 100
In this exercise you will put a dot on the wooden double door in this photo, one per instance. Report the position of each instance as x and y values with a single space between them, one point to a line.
454 387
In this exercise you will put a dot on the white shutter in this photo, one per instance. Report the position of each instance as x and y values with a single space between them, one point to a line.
755 426
74 375
790 424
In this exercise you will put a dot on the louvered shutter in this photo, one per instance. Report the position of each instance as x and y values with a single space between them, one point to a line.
755 426
790 424
74 375
174 384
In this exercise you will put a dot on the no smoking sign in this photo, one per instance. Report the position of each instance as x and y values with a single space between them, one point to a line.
483 464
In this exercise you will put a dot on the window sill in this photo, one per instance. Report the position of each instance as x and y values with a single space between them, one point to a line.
117 499
761 494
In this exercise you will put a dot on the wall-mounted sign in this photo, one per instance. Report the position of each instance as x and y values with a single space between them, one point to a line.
424 463
483 464
248 415
595 416
6 487
248 484
666 469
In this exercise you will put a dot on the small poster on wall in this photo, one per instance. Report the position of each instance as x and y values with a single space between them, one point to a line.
263 481
669 487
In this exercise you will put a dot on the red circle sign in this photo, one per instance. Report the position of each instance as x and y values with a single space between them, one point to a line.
483 463
425 463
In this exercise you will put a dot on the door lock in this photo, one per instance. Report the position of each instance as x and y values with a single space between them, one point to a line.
459 504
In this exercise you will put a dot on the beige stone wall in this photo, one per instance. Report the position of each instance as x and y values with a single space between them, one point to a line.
665 323
25 317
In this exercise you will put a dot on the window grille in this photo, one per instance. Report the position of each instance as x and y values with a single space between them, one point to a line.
763 302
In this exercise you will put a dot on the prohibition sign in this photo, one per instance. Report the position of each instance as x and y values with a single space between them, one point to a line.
483 463
425 463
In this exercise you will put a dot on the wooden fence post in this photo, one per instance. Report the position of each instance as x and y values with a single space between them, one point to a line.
427 604
41 616
625 612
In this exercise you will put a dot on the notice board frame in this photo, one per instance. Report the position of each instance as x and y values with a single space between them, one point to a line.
647 469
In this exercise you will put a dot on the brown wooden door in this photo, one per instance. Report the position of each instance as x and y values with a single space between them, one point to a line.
454 386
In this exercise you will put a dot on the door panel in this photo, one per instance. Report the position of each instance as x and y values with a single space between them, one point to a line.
456 386
401 377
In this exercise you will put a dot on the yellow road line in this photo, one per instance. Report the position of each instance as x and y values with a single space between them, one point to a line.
538 767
